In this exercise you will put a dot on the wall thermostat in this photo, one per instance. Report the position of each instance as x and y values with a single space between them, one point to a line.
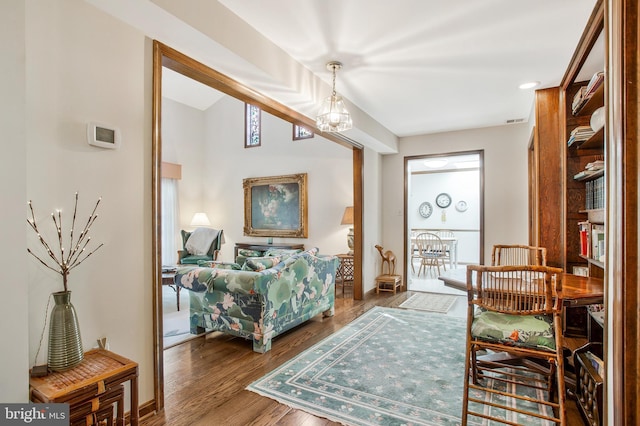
103 135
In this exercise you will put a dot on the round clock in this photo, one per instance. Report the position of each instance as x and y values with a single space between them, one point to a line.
425 209
443 200
461 206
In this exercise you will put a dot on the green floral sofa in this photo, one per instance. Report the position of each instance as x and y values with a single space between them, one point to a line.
261 299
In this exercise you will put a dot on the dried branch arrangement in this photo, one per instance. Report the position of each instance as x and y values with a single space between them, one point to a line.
65 260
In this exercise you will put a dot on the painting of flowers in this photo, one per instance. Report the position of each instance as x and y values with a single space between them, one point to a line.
276 206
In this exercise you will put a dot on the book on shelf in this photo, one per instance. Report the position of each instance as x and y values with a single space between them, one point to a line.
579 99
580 134
584 228
596 80
595 165
597 242
595 193
581 271
585 173
586 92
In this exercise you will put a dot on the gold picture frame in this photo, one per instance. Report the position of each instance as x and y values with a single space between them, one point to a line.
276 206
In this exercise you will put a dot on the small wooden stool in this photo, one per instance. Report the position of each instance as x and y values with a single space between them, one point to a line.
388 283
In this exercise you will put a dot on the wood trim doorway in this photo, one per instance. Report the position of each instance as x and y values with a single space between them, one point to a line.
164 56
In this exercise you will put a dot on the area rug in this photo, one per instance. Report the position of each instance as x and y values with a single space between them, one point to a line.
432 302
388 367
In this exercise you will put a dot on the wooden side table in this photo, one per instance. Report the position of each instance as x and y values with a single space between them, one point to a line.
168 280
92 389
345 269
388 283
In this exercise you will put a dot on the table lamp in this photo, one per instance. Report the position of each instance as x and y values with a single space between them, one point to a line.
200 219
347 219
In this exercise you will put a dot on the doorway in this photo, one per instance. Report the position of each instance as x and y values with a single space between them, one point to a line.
444 199
166 58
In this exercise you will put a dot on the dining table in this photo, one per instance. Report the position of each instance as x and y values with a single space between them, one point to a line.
576 290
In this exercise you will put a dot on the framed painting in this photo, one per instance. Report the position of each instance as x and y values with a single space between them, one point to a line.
276 206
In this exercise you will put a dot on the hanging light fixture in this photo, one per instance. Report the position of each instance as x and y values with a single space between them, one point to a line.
333 116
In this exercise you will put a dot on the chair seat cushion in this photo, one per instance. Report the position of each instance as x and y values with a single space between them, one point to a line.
531 331
193 260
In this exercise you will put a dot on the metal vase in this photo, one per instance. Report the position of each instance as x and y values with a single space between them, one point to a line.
65 344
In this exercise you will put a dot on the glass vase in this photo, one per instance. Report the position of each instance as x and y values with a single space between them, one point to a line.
65 344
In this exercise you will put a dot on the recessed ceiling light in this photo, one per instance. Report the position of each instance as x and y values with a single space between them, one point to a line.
529 85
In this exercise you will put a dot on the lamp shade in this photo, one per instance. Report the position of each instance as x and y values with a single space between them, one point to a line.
347 217
200 219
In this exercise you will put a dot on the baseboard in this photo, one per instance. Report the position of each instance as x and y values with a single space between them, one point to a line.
144 410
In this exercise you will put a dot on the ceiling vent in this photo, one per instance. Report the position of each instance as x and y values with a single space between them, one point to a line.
515 121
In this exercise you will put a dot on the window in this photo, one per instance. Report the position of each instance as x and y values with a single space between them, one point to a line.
171 242
252 126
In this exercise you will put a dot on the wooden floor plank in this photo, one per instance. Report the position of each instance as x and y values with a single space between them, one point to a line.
206 378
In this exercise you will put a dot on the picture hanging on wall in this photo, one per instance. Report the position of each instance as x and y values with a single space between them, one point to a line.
276 206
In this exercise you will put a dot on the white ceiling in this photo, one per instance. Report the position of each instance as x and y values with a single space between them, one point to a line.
414 66
426 66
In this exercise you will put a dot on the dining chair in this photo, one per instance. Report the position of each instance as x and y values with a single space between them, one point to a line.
514 312
504 254
431 252
446 234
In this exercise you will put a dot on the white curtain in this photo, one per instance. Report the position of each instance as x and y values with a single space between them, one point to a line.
171 242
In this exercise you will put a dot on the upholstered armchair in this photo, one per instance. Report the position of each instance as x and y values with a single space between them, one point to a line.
191 254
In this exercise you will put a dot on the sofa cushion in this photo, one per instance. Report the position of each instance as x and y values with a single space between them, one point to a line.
219 265
284 253
249 253
261 263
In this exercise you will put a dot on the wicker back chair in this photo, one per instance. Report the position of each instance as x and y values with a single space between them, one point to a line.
514 313
518 255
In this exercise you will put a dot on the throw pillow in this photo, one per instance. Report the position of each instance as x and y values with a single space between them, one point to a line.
219 265
262 263
249 253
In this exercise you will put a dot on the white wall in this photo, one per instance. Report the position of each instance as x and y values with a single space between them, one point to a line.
461 186
183 134
14 324
327 164
210 147
505 182
372 220
84 65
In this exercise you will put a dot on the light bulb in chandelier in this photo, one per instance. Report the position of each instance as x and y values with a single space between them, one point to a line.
333 115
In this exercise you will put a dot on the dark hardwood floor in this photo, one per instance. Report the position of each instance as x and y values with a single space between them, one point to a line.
205 378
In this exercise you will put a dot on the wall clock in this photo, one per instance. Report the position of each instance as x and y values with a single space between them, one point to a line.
461 206
425 209
443 200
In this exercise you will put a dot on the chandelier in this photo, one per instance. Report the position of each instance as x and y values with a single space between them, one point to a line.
333 116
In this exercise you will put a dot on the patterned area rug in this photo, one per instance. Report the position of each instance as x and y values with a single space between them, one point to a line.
432 302
388 367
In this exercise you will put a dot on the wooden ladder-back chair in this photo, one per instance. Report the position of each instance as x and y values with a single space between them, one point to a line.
431 252
514 313
518 255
